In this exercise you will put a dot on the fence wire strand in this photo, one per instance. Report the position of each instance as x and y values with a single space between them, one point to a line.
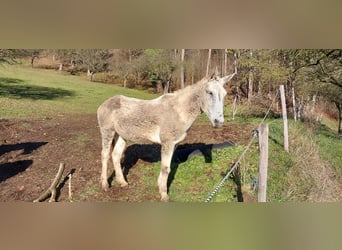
255 134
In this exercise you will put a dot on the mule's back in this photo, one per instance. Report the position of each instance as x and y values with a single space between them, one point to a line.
133 119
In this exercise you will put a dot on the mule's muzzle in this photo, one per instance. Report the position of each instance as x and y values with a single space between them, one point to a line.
217 123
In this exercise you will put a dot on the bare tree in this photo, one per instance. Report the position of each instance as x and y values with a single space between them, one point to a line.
182 74
250 78
225 59
6 56
208 63
94 60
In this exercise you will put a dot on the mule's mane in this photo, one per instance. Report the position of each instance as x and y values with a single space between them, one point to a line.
190 87
188 100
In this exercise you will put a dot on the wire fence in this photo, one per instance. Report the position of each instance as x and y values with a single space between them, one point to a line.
236 164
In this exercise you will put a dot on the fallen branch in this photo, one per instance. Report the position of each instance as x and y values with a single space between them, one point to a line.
52 189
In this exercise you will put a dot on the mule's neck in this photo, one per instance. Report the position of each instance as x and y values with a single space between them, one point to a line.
190 103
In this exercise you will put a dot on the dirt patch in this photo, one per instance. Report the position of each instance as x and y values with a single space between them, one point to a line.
31 150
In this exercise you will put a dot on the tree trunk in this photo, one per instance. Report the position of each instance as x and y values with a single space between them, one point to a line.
60 69
258 87
313 105
166 87
234 109
294 105
250 85
300 109
129 56
250 80
283 107
72 63
90 74
225 59
208 63
32 60
235 103
339 107
125 82
182 85
159 86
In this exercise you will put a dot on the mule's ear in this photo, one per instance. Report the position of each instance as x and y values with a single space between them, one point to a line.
227 78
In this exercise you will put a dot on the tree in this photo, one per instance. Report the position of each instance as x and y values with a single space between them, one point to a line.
7 56
208 63
322 71
66 56
182 73
159 65
260 71
334 94
328 68
93 60
193 66
329 73
225 61
34 55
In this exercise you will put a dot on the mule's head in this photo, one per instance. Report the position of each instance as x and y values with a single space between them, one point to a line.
213 98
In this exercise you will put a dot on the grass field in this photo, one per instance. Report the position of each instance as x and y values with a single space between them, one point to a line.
27 92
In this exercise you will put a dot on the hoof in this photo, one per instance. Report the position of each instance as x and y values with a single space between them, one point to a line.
123 184
105 186
165 198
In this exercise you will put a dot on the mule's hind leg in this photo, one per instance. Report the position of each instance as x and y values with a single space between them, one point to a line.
166 157
107 140
119 148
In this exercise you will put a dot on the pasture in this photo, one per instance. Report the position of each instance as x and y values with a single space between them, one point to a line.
47 118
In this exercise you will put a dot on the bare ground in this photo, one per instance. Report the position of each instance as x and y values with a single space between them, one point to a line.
31 150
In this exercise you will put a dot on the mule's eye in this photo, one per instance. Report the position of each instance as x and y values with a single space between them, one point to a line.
210 93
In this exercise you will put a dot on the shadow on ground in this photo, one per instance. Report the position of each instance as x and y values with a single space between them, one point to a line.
7 170
151 153
17 89
10 169
27 147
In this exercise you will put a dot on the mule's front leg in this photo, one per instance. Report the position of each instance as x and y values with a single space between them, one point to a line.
166 156
107 138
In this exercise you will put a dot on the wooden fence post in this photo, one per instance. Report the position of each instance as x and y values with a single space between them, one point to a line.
263 162
283 108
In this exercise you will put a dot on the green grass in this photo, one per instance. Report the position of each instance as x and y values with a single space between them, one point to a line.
81 138
90 189
195 178
26 92
330 147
